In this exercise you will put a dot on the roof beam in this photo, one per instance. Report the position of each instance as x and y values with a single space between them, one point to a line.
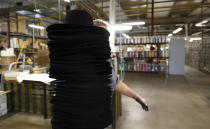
175 20
167 7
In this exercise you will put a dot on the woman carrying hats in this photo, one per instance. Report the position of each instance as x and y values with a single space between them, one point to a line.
85 80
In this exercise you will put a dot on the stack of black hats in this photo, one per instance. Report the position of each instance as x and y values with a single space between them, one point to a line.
79 61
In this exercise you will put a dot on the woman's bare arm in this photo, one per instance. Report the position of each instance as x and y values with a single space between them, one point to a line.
125 90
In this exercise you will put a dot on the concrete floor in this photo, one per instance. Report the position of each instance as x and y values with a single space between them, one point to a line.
176 102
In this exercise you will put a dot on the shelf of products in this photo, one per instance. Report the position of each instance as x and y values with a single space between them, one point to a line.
23 35
142 40
144 54
144 67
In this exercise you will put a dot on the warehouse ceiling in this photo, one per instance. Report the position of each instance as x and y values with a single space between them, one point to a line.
168 14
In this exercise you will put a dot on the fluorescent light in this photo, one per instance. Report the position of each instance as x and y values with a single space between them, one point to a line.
36 26
196 38
196 33
37 10
119 27
144 5
115 27
67 1
134 23
134 7
126 36
177 30
38 16
169 35
201 23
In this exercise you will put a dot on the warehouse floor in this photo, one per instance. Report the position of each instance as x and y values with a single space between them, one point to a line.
176 102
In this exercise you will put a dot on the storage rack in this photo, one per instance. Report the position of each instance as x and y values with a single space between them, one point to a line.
130 58
204 63
198 54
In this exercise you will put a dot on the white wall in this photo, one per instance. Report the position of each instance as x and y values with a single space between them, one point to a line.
177 56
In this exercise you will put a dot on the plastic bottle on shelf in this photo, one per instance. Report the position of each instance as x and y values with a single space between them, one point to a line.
145 67
118 40
137 40
146 53
136 53
164 39
167 53
124 40
139 54
156 67
153 39
143 40
148 39
140 40
137 66
129 40
129 55
160 41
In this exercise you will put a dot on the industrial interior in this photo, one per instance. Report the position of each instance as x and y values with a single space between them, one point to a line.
159 48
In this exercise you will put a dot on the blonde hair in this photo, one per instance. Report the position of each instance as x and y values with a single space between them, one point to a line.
100 23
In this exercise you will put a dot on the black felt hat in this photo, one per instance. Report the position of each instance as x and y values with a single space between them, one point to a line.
79 17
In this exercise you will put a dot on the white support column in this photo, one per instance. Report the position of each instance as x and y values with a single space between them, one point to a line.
186 33
112 20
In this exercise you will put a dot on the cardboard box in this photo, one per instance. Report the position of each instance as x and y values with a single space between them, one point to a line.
22 24
42 32
13 26
13 22
6 60
3 27
25 43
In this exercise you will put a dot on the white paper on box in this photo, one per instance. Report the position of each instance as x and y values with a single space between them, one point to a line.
8 52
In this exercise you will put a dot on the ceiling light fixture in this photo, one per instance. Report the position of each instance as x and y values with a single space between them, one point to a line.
126 36
37 10
67 1
201 23
119 27
196 38
177 30
169 35
36 26
134 23
196 33
115 27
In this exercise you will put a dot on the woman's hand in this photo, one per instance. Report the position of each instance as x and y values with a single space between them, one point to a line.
142 102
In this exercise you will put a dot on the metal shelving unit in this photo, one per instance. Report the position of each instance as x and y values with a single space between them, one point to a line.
130 60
